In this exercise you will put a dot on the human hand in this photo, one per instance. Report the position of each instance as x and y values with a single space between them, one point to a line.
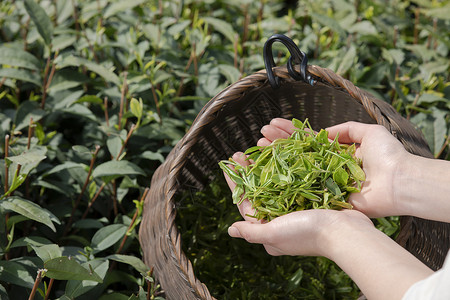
382 157
381 154
309 232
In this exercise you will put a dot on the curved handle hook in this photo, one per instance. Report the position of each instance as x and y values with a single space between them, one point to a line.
297 57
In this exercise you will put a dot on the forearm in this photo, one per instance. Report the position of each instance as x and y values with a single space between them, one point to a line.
379 266
422 188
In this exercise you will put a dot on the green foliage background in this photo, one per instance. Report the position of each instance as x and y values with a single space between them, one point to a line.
95 93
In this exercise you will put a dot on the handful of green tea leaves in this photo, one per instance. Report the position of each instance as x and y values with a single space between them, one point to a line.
304 171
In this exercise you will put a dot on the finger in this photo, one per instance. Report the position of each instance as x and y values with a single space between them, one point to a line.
240 158
245 208
349 132
252 232
283 124
272 133
263 142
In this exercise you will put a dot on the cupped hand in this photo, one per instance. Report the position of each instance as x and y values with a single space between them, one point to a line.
307 232
382 157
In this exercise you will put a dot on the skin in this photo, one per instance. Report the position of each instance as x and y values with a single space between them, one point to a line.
397 183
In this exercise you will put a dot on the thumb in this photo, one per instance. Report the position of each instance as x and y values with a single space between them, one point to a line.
254 233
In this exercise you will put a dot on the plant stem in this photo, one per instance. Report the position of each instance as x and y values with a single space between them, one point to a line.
105 101
133 220
91 167
158 110
416 26
122 98
6 164
443 147
133 127
50 284
36 283
149 284
25 33
30 133
93 200
48 80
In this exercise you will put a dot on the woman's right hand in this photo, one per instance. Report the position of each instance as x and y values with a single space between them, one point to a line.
382 156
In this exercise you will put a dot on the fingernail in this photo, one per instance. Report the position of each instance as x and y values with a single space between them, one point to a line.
264 128
233 232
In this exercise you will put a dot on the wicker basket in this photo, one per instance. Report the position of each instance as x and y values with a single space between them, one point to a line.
231 122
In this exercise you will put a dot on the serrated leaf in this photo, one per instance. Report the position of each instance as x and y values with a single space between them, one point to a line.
47 252
120 6
114 144
81 149
116 169
223 27
347 61
23 75
27 110
16 273
76 288
64 268
65 166
30 210
136 107
17 57
107 236
133 261
28 157
40 19
91 66
356 170
30 241
152 156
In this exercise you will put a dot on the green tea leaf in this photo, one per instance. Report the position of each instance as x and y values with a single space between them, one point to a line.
133 261
16 57
76 288
340 176
40 19
65 268
107 236
356 170
223 27
47 252
114 169
16 273
30 210
23 75
136 107
121 6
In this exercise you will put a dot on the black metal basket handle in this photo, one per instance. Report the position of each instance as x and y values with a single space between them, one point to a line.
297 57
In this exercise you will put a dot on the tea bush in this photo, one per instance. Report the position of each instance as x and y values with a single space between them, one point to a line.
94 94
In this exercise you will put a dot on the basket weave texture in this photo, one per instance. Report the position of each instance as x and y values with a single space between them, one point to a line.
231 122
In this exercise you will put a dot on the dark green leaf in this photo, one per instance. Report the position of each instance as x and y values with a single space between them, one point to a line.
76 288
16 273
121 6
64 268
30 210
47 252
133 261
107 236
16 57
223 27
117 169
23 75
40 19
